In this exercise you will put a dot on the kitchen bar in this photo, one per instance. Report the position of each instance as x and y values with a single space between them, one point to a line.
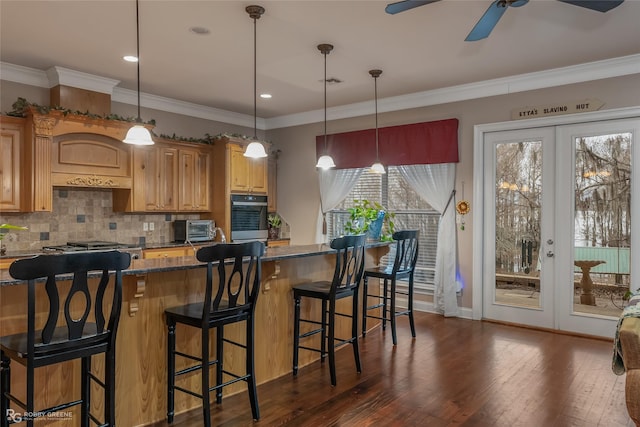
152 285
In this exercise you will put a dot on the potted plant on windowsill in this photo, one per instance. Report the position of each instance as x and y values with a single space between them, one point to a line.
275 222
370 218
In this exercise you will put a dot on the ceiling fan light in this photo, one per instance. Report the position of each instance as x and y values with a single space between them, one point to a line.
377 167
325 162
255 150
138 135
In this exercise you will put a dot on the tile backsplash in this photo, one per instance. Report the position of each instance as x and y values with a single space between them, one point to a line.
86 214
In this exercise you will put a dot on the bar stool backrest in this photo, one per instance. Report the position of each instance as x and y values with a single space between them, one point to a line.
349 262
59 340
406 251
232 290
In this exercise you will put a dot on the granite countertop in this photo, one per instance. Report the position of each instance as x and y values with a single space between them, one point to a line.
143 266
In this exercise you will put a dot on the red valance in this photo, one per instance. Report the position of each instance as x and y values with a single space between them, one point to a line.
419 143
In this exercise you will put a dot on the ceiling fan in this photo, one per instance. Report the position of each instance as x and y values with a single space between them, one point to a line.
491 17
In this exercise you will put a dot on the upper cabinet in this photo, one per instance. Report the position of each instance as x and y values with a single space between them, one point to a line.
247 175
272 183
11 140
50 149
167 178
233 173
155 181
194 176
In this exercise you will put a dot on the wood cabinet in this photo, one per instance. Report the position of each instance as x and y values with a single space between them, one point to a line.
166 252
194 180
232 173
170 252
247 175
6 262
167 178
11 140
276 243
272 184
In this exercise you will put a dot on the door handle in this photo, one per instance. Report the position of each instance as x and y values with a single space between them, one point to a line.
550 254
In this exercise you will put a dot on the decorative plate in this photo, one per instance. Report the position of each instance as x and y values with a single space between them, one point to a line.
463 207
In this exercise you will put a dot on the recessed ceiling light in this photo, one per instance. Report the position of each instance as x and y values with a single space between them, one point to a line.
201 31
265 95
130 58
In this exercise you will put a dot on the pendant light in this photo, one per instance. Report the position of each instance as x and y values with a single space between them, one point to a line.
138 134
377 167
255 149
325 161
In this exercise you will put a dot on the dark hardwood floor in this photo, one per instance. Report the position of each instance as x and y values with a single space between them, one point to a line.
456 372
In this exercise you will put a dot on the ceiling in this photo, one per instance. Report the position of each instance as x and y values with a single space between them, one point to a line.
418 50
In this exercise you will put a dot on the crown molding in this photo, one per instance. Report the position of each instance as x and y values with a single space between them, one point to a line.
603 69
66 77
127 96
597 70
24 75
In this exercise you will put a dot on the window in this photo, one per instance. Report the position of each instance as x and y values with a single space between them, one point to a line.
412 212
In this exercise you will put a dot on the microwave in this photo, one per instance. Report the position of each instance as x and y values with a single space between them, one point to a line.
193 230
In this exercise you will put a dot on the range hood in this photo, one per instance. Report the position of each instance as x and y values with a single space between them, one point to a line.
90 160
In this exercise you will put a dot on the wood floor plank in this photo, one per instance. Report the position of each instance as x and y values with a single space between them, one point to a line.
456 372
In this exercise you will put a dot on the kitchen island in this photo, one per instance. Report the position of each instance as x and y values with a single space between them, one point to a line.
150 286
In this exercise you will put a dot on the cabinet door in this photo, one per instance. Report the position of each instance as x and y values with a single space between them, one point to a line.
167 183
10 141
194 180
272 182
240 179
203 191
145 179
187 197
259 176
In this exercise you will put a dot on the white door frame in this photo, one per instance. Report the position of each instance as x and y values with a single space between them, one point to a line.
479 173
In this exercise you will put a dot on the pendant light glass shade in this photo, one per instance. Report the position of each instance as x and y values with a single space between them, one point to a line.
255 149
138 134
377 167
325 161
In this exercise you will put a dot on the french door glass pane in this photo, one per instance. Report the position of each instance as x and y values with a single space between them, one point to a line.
518 192
602 222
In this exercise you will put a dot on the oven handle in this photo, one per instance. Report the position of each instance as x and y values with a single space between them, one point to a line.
249 203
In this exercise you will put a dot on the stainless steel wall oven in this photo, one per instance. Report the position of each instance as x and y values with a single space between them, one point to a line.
248 217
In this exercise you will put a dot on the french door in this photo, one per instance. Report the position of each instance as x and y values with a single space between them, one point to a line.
557 220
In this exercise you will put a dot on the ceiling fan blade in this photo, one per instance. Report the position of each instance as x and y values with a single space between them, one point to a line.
599 5
519 3
401 6
489 20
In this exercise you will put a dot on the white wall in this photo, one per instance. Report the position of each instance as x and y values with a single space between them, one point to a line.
298 194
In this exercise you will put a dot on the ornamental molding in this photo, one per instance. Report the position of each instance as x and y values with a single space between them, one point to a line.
44 125
92 181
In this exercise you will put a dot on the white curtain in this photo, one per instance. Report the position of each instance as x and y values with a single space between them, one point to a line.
435 183
335 185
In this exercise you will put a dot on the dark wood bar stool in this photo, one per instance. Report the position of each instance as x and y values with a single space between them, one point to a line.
404 264
229 297
346 280
77 336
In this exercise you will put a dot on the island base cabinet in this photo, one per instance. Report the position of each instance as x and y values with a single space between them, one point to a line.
141 366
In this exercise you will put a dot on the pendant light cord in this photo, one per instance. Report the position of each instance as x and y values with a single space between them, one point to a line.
139 119
375 80
255 79
325 102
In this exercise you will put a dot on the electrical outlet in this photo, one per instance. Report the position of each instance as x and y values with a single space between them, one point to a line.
151 226
145 226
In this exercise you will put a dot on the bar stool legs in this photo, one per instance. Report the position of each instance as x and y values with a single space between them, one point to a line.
171 367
